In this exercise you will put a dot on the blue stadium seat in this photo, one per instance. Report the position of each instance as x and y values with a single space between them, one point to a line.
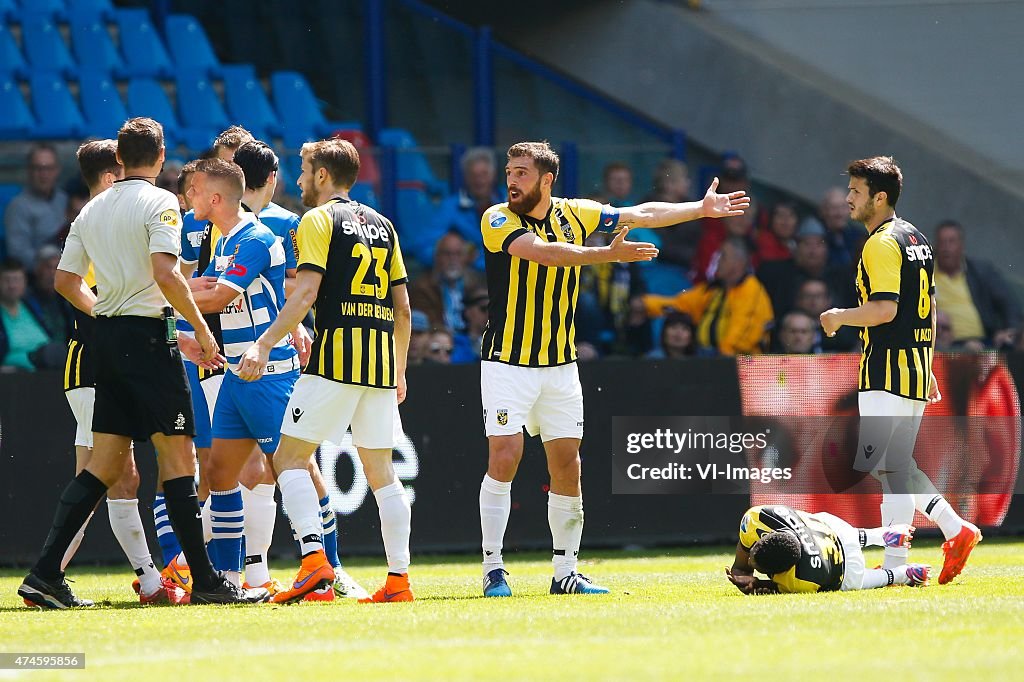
93 47
104 8
299 110
57 114
413 168
11 61
247 102
146 97
199 108
8 10
44 45
101 104
53 8
364 194
142 49
16 118
190 48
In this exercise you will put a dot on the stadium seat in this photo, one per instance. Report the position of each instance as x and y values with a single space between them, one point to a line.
8 10
12 63
413 168
298 109
364 194
101 7
57 114
44 45
146 97
53 8
189 47
142 50
247 102
199 107
93 47
16 118
101 104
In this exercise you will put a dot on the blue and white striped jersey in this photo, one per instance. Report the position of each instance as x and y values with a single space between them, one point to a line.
251 260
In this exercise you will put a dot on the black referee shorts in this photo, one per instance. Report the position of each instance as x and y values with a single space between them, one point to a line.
141 388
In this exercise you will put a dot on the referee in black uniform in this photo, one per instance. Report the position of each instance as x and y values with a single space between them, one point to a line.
131 234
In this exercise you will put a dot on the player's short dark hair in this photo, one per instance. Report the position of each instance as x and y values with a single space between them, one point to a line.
881 175
226 172
139 142
544 157
96 158
339 157
186 170
776 552
232 138
257 161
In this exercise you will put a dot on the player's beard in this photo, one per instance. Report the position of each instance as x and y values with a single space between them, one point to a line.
309 197
864 214
527 201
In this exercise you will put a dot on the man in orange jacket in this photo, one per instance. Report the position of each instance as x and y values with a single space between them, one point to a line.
733 311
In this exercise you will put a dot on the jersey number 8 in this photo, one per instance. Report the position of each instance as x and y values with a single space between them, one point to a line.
366 256
924 302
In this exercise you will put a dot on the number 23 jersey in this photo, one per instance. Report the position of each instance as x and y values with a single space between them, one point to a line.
356 250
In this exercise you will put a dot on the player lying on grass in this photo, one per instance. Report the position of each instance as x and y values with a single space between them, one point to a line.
801 552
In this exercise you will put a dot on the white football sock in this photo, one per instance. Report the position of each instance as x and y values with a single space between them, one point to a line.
395 525
204 516
565 516
76 542
896 509
127 527
303 506
495 507
260 516
883 577
940 512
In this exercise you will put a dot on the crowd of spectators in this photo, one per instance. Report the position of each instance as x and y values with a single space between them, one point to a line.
741 285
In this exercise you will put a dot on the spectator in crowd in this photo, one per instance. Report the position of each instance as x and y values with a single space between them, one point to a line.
466 344
678 339
617 185
461 212
813 298
709 248
43 300
670 271
779 241
843 237
439 350
34 217
419 337
782 278
610 315
78 197
798 334
977 298
168 178
944 340
21 332
439 292
733 312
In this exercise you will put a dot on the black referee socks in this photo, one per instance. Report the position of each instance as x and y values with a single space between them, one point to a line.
183 512
77 501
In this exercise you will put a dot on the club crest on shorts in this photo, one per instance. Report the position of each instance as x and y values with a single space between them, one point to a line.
179 423
502 417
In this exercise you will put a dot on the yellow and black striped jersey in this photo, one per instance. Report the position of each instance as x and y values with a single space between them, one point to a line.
897 265
530 319
356 249
822 561
78 369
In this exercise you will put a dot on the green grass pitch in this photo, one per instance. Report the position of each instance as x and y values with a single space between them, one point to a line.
671 615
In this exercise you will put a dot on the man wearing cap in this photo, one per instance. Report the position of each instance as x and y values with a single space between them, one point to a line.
419 339
783 278
466 344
